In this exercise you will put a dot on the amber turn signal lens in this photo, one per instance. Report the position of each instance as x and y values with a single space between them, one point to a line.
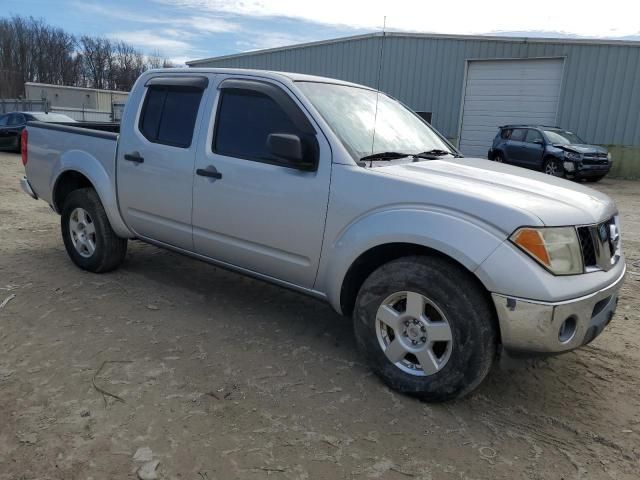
532 242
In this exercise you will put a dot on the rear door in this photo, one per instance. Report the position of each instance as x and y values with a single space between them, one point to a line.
260 214
516 146
533 149
156 159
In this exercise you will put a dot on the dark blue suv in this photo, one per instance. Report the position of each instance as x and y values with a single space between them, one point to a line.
552 150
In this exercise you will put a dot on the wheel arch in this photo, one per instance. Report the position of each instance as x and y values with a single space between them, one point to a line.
367 262
76 172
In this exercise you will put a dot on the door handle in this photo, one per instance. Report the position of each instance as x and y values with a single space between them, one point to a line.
210 172
133 157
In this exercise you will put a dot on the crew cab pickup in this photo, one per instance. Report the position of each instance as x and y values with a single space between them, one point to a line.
333 189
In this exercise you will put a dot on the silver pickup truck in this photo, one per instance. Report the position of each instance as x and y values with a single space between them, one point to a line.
341 192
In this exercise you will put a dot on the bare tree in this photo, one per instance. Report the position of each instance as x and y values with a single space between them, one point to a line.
33 51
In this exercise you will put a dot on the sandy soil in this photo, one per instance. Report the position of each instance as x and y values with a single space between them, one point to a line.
225 377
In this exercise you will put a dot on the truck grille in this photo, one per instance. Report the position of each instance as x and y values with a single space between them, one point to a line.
600 245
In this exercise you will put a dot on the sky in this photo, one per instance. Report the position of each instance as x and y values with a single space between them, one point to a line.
183 30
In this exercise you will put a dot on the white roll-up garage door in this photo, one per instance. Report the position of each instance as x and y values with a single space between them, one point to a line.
507 91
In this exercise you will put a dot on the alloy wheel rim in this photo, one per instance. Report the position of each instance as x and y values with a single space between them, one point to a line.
83 232
550 169
414 333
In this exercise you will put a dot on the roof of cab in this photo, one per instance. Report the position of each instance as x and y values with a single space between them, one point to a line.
282 76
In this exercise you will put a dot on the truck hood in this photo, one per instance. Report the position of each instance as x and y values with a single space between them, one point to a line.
554 201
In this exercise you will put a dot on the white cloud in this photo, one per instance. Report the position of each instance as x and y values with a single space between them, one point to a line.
152 40
262 40
587 18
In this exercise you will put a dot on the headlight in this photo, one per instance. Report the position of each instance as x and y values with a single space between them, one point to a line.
572 156
609 156
555 248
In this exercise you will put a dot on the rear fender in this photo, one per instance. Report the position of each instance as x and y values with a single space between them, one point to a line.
103 183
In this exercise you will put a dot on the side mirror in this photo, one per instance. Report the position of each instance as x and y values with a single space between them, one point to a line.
288 147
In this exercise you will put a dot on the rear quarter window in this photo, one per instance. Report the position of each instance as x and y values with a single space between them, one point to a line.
505 133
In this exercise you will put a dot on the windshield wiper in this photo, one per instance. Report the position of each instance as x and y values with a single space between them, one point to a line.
385 156
435 153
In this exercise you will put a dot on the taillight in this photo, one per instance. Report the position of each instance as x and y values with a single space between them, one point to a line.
24 136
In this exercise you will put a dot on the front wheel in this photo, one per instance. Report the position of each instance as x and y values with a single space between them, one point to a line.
553 167
87 234
425 327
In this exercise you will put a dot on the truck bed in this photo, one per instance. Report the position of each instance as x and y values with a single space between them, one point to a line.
84 147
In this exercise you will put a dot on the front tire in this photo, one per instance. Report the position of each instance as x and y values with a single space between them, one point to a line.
87 234
498 157
554 168
426 328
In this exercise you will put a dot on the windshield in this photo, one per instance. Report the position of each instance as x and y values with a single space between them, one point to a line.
51 117
562 137
351 114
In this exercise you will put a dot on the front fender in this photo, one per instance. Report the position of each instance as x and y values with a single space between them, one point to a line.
466 239
104 184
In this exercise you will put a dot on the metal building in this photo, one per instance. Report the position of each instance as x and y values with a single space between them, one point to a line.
469 85
86 104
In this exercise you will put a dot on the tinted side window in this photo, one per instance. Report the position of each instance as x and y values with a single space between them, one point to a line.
13 120
245 120
505 133
169 115
533 136
518 134
3 120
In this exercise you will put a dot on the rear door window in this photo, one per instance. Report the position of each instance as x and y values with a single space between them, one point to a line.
169 115
533 136
518 134
14 119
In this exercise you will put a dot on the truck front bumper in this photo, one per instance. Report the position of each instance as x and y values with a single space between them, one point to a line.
529 327
26 187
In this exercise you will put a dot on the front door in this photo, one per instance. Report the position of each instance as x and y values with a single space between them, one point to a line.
156 159
251 210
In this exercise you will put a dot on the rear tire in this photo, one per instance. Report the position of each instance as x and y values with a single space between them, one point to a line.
87 234
498 157
449 297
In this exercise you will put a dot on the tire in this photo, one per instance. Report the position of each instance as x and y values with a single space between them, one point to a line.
94 247
594 179
498 157
448 292
554 168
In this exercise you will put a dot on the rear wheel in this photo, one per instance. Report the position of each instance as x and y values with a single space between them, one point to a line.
498 157
425 327
553 167
87 234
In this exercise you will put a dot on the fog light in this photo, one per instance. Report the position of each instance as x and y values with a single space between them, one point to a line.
569 166
567 329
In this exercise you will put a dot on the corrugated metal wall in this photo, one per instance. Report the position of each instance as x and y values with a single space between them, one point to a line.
600 98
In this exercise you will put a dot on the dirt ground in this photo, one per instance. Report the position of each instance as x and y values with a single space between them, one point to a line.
225 377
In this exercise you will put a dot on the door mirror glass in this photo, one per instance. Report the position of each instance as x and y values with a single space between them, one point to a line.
287 147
